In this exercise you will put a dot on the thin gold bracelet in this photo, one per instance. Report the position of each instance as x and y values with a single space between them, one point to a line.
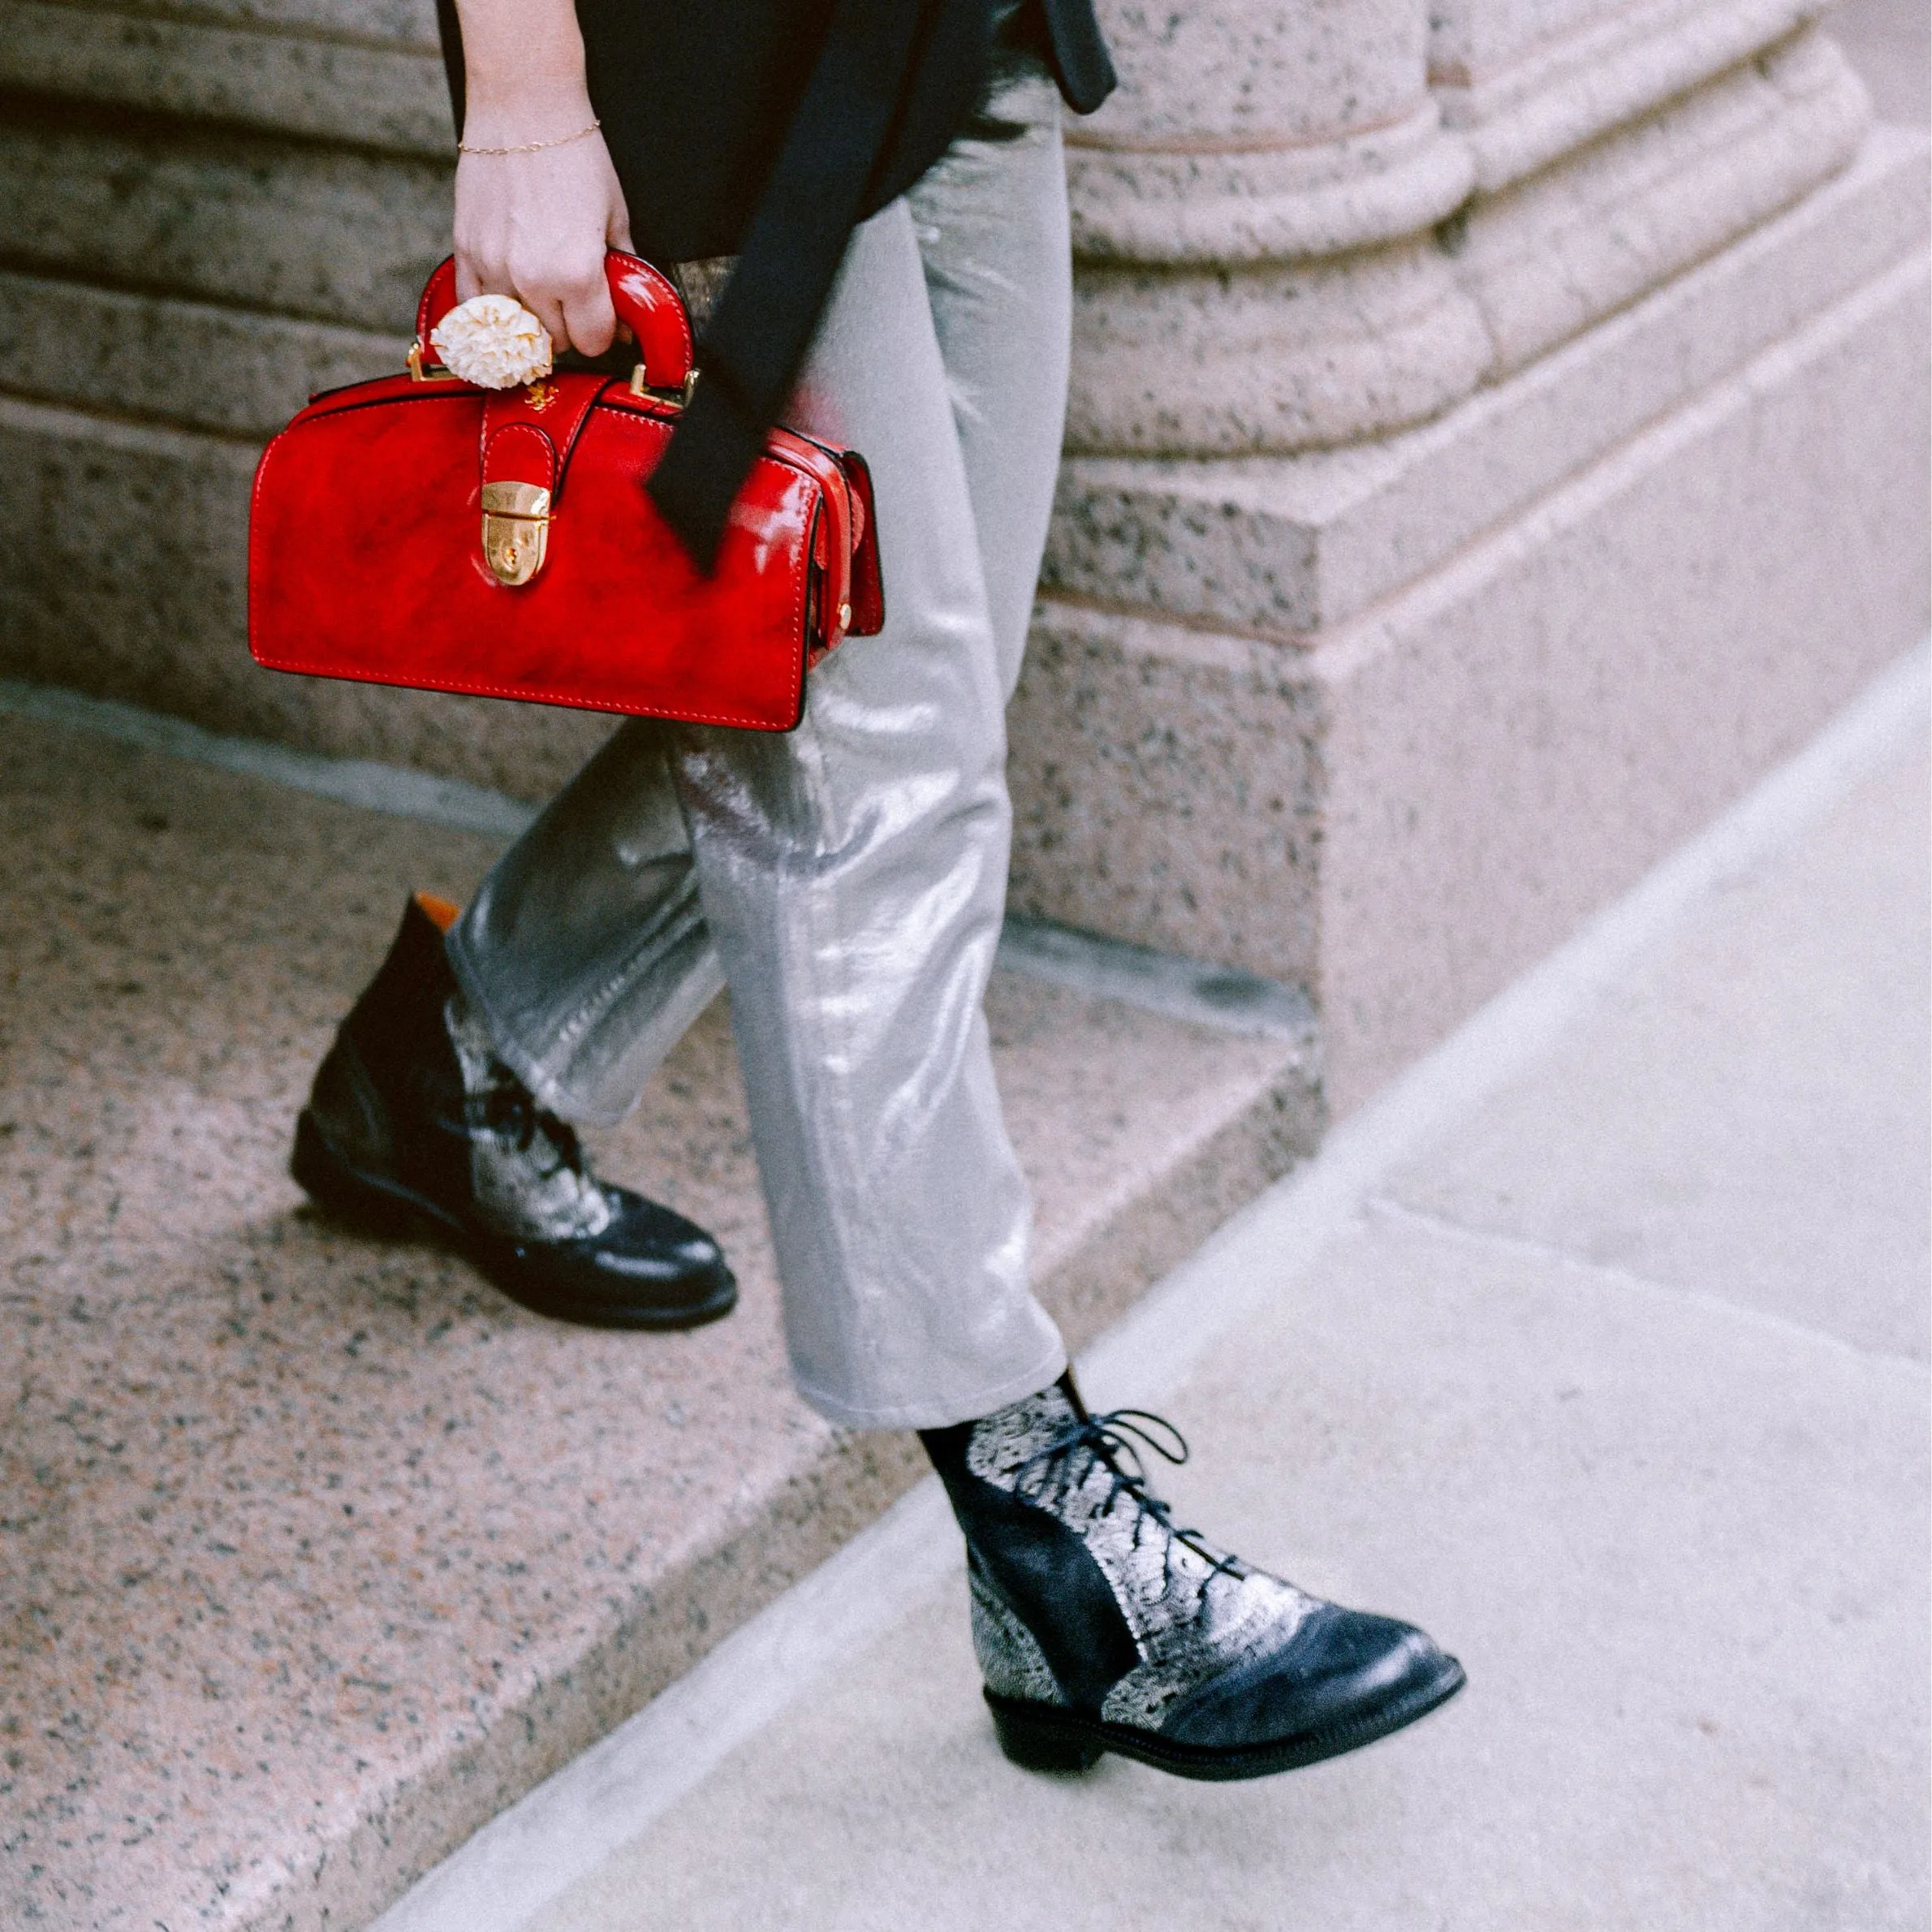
532 147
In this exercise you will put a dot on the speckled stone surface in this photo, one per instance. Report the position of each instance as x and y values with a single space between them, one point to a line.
1407 812
315 1551
368 72
335 233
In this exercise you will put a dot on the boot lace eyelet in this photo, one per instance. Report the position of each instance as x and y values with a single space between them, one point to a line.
1115 1441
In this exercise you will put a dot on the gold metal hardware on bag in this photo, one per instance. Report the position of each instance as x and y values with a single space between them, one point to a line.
431 373
640 387
845 618
516 530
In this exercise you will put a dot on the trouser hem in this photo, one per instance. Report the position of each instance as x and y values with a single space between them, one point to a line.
938 1415
550 1094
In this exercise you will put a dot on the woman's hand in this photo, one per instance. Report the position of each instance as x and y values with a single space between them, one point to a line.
536 225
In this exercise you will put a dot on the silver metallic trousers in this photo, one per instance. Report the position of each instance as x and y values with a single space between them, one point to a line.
847 880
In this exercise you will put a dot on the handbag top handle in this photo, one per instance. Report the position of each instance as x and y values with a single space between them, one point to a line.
645 301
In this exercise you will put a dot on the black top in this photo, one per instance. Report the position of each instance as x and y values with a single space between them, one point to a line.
768 129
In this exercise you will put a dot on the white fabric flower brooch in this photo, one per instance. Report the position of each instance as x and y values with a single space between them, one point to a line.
493 342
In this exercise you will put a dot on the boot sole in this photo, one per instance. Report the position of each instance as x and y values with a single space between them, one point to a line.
375 1204
1043 1737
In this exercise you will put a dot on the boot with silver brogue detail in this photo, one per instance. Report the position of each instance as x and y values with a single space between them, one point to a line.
413 1121
1102 1626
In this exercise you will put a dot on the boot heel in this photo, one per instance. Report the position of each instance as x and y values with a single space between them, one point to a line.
335 1186
1039 1740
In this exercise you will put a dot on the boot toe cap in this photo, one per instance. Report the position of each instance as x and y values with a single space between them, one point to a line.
648 1241
1342 1671
649 1267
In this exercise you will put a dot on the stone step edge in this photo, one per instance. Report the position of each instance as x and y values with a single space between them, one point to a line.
777 1536
176 362
1261 1123
1225 998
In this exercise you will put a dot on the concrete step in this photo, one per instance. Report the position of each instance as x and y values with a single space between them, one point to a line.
318 1552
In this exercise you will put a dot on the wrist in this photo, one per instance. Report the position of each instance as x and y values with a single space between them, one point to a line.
539 145
527 108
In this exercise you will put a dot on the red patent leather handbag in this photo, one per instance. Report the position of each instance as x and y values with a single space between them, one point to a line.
417 530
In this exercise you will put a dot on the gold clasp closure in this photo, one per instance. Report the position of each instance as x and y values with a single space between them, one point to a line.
516 530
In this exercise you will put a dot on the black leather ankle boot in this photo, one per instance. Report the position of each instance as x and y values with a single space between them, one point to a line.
413 1124
1102 1626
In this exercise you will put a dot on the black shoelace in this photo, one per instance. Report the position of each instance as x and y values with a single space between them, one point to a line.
508 1109
1115 1441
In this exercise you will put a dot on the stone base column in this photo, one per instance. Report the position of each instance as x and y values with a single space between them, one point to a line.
1382 700
1252 212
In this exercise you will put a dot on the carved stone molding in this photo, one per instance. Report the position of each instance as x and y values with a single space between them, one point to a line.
1285 242
1253 215
1213 201
1547 257
1523 89
368 75
1273 356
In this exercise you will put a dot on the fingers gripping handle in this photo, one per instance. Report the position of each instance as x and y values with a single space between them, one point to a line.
645 302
